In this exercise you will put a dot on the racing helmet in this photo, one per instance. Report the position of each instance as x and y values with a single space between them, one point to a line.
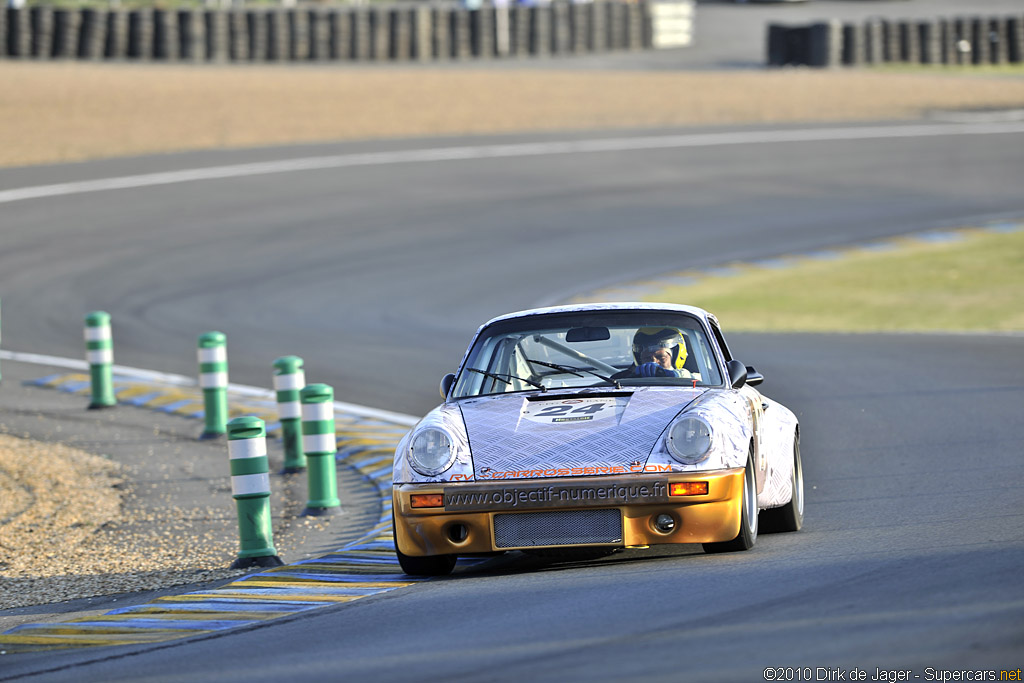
647 340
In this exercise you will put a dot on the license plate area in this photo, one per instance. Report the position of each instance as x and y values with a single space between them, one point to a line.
557 528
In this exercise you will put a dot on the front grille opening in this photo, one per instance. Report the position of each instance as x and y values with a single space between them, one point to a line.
564 527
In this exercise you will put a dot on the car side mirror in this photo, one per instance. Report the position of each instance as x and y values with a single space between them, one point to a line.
753 376
446 384
737 374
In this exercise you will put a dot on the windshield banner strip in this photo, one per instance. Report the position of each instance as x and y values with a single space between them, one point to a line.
459 499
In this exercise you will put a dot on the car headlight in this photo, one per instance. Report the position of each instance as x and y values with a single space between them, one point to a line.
689 440
430 452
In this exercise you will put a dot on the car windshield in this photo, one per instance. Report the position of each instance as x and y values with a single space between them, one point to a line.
589 349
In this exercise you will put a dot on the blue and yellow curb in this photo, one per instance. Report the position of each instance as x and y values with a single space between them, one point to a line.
367 566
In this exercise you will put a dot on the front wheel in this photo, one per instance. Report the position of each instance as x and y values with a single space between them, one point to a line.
747 536
433 565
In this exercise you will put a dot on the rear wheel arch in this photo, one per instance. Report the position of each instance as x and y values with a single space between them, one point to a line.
789 517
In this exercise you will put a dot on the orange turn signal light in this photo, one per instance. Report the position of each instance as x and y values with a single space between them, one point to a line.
688 488
427 500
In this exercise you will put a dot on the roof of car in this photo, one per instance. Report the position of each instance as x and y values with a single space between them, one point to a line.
605 306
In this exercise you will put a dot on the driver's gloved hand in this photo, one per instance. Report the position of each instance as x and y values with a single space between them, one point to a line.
649 370
654 370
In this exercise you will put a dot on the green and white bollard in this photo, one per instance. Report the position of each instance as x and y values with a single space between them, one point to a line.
250 486
289 379
213 378
99 353
320 445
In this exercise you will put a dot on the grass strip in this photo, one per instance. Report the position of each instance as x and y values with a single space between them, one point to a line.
974 283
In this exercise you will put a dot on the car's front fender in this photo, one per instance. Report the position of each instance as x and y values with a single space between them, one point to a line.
728 415
448 418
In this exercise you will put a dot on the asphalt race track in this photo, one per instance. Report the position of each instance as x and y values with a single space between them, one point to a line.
377 274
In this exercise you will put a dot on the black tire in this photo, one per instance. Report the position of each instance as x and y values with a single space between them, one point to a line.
747 536
789 517
432 565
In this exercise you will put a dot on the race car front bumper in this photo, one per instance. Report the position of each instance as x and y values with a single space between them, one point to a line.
614 511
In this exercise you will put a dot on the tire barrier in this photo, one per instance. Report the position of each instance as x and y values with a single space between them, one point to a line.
18 33
237 31
250 487
560 29
140 35
99 353
115 43
458 26
320 446
90 44
977 41
213 379
165 35
289 380
41 24
396 33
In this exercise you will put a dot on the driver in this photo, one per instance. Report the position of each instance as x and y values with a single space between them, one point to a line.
657 352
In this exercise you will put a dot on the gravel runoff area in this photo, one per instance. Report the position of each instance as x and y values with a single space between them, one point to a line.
105 508
60 112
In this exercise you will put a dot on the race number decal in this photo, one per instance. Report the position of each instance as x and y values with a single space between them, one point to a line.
570 410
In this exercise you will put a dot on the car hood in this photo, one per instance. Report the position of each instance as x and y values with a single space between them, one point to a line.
569 434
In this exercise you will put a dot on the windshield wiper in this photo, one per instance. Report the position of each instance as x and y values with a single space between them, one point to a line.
573 371
502 377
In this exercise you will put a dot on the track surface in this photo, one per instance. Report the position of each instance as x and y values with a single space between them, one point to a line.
378 275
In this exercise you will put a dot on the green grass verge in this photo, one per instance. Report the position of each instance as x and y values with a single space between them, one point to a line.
972 284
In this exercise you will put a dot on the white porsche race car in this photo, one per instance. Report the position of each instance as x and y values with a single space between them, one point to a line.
595 426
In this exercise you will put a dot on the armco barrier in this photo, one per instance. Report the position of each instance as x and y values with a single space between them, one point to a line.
379 33
977 41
